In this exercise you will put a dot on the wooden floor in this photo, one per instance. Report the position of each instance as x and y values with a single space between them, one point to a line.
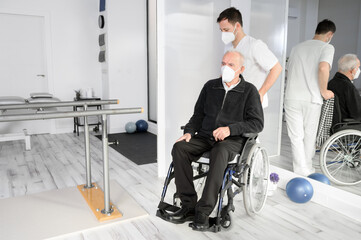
285 161
57 161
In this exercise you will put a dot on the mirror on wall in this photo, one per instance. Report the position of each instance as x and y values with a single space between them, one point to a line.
302 21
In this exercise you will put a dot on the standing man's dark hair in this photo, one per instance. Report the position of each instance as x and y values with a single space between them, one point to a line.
232 14
325 26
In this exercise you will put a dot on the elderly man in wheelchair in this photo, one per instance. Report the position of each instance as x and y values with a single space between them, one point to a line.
341 152
227 109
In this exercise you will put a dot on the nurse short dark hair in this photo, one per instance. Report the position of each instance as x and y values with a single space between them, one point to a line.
232 14
325 26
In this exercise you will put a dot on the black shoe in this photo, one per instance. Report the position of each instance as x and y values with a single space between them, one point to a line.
181 216
200 223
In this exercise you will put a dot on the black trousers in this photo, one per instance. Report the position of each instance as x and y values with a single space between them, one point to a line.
184 153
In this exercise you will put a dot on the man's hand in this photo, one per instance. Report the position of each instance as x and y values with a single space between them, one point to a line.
327 94
186 137
221 133
261 95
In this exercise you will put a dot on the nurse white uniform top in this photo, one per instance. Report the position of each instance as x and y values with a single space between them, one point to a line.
302 83
258 61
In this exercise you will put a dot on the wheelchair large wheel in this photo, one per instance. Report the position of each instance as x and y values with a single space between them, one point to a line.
255 180
340 157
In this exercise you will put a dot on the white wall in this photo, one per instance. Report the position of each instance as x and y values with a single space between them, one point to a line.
74 36
189 54
346 15
126 76
74 49
244 6
269 23
302 21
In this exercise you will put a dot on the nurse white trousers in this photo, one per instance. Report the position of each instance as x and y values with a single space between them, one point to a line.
302 122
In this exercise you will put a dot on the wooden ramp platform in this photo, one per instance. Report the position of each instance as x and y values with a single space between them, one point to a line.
59 212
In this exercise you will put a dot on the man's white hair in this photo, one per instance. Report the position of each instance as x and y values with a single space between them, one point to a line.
347 62
241 58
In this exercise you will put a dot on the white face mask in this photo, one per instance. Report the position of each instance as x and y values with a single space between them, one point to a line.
228 74
228 37
357 74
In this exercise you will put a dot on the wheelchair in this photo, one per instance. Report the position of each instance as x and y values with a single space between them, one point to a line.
340 153
248 172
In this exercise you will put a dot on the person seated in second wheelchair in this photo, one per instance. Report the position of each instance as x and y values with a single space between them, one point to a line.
348 96
226 108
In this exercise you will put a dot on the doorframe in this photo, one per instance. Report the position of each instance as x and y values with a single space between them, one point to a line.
48 57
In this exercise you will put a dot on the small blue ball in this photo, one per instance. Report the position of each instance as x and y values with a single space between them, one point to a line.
319 177
299 190
130 127
142 126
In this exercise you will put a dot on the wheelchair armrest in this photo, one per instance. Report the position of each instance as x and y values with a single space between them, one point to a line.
249 135
347 120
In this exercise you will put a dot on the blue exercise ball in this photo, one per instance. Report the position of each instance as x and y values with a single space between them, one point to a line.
142 126
299 190
319 177
130 127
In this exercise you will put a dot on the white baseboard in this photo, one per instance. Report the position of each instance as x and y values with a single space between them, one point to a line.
336 199
152 128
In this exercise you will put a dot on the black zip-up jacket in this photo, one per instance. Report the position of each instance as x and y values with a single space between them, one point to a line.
240 109
348 96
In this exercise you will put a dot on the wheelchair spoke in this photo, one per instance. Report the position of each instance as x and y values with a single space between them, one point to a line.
342 146
340 157
335 171
357 146
336 160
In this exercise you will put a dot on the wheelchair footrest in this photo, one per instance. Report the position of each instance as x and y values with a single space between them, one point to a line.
164 209
213 226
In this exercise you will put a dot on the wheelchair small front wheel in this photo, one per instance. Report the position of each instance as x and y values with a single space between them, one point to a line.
340 157
226 221
255 179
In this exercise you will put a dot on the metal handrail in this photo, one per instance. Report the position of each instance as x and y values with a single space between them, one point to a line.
70 114
67 114
58 104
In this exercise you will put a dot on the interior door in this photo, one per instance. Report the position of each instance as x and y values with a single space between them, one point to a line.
23 64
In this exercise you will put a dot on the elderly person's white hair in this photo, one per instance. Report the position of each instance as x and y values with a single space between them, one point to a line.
347 62
241 58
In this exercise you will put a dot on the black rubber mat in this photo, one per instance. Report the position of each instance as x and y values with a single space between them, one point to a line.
141 148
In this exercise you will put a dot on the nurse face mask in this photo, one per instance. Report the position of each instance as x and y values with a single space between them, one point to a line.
228 74
228 37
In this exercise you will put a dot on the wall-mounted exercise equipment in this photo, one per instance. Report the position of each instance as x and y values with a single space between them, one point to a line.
102 56
102 39
102 6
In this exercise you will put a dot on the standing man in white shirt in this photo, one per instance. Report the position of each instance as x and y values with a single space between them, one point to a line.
309 68
261 65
